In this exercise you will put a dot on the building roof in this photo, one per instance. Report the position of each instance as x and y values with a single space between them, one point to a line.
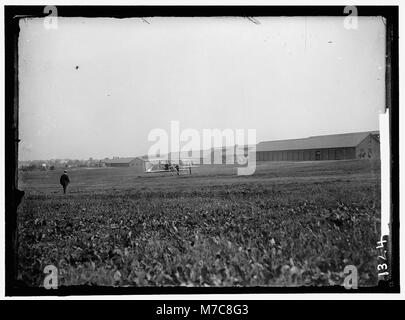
121 160
316 142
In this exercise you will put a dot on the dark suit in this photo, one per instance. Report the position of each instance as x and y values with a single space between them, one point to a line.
64 181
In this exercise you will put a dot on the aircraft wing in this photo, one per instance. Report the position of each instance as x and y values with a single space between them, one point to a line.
156 171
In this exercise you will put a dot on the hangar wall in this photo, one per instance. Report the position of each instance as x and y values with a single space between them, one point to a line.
369 148
137 164
308 154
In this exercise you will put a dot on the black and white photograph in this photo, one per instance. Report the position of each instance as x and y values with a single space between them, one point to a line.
234 152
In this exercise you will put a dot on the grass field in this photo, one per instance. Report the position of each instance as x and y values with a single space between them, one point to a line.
289 224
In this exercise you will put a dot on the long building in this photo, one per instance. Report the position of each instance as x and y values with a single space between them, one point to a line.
358 145
137 163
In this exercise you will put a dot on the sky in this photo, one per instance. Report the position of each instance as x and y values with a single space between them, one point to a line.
97 87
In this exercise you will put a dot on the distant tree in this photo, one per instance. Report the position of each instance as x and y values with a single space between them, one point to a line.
32 166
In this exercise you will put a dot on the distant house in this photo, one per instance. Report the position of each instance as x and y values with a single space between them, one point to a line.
136 163
358 145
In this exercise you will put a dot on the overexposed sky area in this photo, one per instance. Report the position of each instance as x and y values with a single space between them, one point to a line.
97 87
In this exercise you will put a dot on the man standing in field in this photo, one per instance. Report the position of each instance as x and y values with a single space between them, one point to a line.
64 181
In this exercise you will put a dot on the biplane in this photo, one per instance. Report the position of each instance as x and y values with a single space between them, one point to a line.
174 167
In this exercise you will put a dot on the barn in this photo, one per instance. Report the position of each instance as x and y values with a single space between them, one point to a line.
136 163
358 145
